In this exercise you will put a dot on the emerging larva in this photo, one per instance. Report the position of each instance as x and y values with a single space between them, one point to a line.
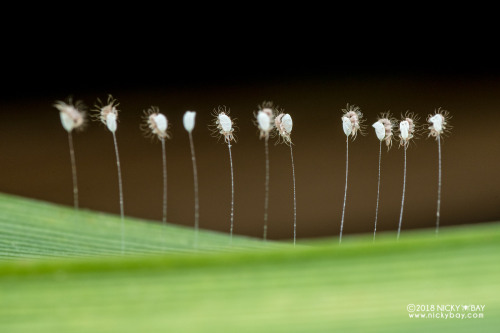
352 121
223 125
284 126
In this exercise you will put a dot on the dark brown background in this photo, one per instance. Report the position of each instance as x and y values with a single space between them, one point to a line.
35 159
311 80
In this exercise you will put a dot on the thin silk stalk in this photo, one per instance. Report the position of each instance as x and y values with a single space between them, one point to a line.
345 191
294 199
438 212
266 195
196 200
403 198
232 191
164 159
378 189
120 188
73 170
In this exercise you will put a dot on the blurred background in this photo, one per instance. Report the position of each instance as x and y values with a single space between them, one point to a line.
308 79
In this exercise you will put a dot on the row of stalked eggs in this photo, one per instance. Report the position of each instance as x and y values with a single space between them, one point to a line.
73 117
352 120
156 124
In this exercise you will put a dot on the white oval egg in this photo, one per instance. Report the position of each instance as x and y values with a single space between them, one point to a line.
188 120
287 123
404 126
161 122
225 122
67 121
264 121
111 122
437 122
379 130
346 126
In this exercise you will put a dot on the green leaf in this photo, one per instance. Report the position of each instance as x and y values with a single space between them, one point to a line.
62 271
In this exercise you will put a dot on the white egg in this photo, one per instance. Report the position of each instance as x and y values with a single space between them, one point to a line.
67 121
225 122
111 122
379 130
287 123
437 122
161 122
347 126
404 127
188 120
264 120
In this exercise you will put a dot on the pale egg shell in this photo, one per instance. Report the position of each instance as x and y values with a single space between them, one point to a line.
225 122
404 127
379 130
264 121
346 126
161 122
111 122
67 121
437 122
287 123
188 120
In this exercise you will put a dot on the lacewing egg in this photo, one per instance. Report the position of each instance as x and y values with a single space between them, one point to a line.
67 121
225 122
111 122
404 126
437 122
188 120
161 122
347 126
264 121
379 130
287 123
